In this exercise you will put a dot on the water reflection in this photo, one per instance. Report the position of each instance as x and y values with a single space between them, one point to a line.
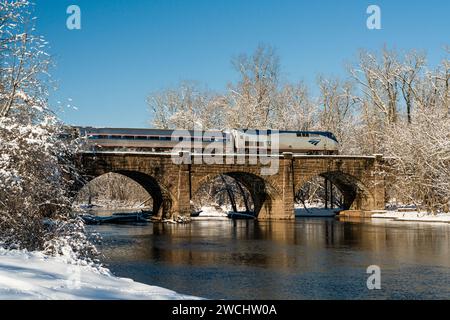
306 258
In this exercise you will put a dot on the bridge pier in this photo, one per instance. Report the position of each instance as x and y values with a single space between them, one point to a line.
183 194
282 207
379 183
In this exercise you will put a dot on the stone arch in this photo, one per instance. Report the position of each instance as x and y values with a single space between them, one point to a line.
357 195
262 192
161 196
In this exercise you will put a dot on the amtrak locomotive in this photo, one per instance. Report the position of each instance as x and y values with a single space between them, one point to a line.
240 140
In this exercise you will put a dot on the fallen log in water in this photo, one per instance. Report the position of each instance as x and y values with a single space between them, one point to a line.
117 218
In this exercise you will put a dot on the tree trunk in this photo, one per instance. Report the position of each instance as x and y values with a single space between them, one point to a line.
230 194
244 196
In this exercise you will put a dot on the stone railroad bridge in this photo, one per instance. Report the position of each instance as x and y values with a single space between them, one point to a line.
360 179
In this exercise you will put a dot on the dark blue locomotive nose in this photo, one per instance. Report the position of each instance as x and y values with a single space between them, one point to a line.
331 136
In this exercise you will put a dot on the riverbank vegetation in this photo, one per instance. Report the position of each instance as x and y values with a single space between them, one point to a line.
36 175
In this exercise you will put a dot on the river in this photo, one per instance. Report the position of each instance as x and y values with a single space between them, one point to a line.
301 259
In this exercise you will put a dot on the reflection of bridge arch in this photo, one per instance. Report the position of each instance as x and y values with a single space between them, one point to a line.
162 198
355 193
263 194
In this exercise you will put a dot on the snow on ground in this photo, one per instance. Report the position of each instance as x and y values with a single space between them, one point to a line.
211 213
413 216
25 275
309 204
314 209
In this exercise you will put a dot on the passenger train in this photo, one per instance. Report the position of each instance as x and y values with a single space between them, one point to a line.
240 140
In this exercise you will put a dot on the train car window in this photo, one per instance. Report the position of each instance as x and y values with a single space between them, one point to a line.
165 138
302 134
154 138
141 138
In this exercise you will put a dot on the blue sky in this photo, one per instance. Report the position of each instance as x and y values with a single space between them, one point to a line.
128 49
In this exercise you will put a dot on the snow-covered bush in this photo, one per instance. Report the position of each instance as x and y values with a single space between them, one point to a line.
35 179
420 165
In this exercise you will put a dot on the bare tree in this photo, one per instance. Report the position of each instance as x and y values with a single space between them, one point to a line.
252 100
420 169
24 63
294 109
187 107
378 80
410 72
338 105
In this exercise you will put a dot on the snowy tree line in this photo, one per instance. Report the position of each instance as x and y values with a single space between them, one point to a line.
36 174
389 103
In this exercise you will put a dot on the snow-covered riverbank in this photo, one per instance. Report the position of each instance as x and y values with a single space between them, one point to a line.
413 216
25 275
